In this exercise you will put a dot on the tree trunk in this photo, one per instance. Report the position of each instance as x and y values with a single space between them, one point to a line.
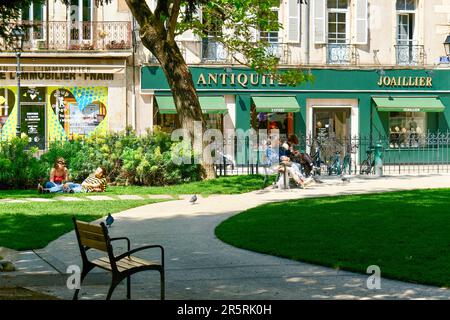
184 94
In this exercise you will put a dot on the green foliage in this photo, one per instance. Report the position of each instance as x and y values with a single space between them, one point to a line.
18 167
128 159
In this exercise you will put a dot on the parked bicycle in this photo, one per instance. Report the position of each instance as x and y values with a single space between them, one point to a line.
368 165
335 164
317 158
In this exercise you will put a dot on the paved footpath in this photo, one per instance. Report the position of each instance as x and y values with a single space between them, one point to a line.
199 266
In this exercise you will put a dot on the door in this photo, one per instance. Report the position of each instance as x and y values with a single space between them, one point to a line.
332 130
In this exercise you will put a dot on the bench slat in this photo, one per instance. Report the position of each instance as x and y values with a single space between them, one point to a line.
91 236
123 264
84 226
99 245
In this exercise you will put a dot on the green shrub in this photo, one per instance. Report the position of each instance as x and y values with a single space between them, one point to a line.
18 167
129 160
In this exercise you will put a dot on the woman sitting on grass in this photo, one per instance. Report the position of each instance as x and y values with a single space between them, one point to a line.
59 175
96 182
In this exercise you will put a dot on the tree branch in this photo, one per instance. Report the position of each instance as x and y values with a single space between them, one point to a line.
173 19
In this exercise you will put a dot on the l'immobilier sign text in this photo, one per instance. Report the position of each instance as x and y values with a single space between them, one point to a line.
59 76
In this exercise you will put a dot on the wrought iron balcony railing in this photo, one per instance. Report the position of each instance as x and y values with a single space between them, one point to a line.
410 54
340 53
66 35
214 51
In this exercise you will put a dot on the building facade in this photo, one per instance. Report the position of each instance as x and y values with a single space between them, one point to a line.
74 78
377 65
378 71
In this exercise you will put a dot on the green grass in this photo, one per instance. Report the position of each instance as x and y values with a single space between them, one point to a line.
407 234
33 225
221 185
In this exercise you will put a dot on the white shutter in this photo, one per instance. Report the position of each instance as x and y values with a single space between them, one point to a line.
319 21
361 24
293 21
188 34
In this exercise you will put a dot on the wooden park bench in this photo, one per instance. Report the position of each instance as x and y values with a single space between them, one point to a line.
121 266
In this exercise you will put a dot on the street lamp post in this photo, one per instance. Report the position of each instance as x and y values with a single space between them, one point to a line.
18 35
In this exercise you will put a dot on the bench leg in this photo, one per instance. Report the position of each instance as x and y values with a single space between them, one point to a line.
163 285
128 288
83 275
114 284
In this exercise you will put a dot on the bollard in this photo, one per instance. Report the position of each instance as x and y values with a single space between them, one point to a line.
378 160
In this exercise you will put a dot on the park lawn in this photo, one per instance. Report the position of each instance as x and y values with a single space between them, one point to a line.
33 225
221 185
407 233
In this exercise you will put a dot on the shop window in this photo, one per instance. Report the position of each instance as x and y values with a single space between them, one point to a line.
166 122
214 121
283 121
406 129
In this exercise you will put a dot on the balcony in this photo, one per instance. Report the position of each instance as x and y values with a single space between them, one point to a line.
340 53
214 51
409 54
76 36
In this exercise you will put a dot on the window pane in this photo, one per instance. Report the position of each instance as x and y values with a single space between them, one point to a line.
406 129
343 4
400 5
26 14
332 28
341 17
38 12
410 5
406 5
341 28
332 4
86 10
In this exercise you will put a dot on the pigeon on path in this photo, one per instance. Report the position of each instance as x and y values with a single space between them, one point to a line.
193 199
345 179
109 220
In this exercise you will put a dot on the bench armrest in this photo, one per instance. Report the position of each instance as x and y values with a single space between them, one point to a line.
123 255
123 238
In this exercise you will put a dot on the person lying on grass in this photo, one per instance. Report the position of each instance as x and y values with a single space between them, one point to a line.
96 182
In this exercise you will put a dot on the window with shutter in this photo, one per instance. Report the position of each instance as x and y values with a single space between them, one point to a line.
293 21
319 21
361 24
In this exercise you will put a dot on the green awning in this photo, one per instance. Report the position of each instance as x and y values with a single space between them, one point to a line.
209 105
409 104
276 104
166 105
213 105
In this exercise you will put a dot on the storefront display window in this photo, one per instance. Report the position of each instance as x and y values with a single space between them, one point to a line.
273 120
406 129
167 122
214 121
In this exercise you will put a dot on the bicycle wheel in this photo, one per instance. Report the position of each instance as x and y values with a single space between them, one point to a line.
365 167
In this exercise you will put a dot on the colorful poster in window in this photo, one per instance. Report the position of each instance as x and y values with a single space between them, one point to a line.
76 112
8 112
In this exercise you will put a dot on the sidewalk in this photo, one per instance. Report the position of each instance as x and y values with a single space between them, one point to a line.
199 266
